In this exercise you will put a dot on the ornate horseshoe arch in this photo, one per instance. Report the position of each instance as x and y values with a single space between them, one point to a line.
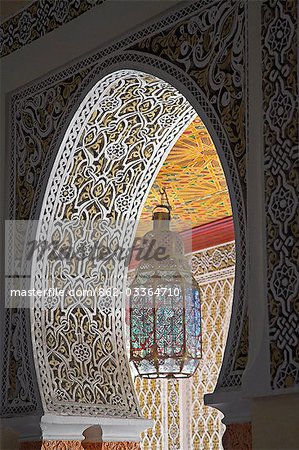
102 171
216 93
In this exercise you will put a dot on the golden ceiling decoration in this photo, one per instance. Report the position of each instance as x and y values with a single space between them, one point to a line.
193 177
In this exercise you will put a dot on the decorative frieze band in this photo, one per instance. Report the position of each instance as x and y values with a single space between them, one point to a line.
38 19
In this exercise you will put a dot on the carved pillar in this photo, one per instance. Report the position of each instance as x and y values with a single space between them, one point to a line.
237 436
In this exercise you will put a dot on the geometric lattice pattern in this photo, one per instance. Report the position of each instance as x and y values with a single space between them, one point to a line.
181 420
281 138
193 177
110 153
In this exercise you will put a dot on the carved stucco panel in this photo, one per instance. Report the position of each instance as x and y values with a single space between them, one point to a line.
58 95
117 140
280 103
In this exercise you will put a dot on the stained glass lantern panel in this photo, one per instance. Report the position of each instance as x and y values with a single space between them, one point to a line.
165 319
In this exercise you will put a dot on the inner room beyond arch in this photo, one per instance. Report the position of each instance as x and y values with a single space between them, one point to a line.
198 194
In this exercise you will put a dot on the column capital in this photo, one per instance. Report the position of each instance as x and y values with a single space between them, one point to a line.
111 429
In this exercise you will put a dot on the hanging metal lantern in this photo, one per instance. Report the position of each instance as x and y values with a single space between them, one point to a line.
165 317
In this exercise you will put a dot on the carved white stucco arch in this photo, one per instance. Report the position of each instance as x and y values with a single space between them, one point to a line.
166 113
206 113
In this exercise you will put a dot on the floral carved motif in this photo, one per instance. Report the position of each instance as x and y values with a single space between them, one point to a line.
84 344
37 123
207 47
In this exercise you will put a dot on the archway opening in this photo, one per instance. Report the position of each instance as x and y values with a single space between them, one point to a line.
202 214
106 164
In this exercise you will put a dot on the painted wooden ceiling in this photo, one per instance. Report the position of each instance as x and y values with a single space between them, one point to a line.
194 180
